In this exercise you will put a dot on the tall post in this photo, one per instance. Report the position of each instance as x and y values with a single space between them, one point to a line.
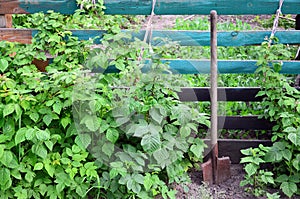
214 93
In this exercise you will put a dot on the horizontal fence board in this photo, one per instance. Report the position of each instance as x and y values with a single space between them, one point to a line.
243 123
163 7
245 94
224 94
224 66
231 147
184 38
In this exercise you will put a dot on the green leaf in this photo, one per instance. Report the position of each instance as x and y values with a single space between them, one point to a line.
57 107
148 182
3 65
108 148
16 174
42 135
8 109
151 142
4 176
65 121
2 147
112 135
7 158
29 176
83 140
251 169
288 188
49 144
197 150
289 129
47 119
92 123
294 138
20 135
155 115
38 166
34 116
161 156
40 150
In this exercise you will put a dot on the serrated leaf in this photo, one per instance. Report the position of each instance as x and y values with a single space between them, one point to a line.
20 135
57 107
7 158
38 166
83 140
47 119
4 176
34 116
39 150
251 169
294 138
65 121
112 135
155 115
16 174
8 109
148 182
289 129
42 135
197 150
161 155
3 65
2 147
108 148
29 176
288 188
296 164
92 123
49 144
151 142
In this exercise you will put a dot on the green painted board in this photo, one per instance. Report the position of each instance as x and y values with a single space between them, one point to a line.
184 38
201 38
163 7
224 66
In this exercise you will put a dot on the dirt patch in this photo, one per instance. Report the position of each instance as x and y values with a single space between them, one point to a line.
230 189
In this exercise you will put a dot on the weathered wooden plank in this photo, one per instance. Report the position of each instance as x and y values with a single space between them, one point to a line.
243 123
163 7
239 94
224 66
245 94
232 147
184 38
16 35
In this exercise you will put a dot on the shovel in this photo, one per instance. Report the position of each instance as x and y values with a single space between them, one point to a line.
215 170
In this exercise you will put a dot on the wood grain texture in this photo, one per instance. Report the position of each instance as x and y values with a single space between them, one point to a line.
14 35
163 7
187 38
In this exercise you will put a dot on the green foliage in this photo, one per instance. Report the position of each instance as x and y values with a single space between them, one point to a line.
281 105
149 135
256 178
70 133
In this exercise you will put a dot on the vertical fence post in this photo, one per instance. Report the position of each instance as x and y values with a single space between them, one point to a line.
6 21
214 91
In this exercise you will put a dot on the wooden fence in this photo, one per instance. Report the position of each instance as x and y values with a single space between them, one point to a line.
185 38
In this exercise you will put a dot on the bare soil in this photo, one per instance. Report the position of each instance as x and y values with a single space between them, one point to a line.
229 189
